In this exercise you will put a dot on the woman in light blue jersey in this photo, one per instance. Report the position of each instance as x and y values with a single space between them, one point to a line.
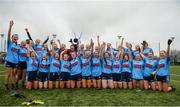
86 69
32 69
54 69
150 66
127 70
22 62
163 69
65 70
137 71
75 70
107 80
11 58
43 71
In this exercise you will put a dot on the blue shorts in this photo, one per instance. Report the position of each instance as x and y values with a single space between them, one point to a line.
106 76
126 76
22 65
54 76
11 65
43 76
150 78
76 77
96 77
116 76
161 78
64 76
87 77
32 76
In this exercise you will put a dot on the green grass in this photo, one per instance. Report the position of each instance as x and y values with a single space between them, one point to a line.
105 97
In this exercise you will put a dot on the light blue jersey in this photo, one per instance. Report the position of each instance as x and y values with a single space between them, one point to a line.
32 64
150 66
65 66
86 66
96 67
163 67
44 65
117 66
55 65
107 66
137 71
22 54
75 66
12 52
127 66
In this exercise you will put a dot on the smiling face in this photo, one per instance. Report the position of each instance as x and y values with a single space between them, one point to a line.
37 41
55 46
66 57
138 57
137 47
86 55
106 55
150 55
96 49
126 57
163 54
23 44
96 54
45 46
15 38
73 55
72 47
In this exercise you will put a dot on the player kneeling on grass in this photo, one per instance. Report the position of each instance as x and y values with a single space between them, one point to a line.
107 80
163 69
96 70
137 71
126 72
65 70
116 71
11 58
75 71
32 69
54 70
86 70
150 67
43 71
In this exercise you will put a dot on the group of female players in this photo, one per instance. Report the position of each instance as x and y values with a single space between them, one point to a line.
87 66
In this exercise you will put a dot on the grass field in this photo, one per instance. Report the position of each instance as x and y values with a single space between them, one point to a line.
91 97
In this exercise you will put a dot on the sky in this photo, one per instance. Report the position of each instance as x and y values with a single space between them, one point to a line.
136 20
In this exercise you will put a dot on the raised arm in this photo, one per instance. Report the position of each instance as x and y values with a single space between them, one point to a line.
61 54
129 51
29 36
46 40
122 42
92 46
102 50
52 51
98 41
59 42
168 47
11 23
